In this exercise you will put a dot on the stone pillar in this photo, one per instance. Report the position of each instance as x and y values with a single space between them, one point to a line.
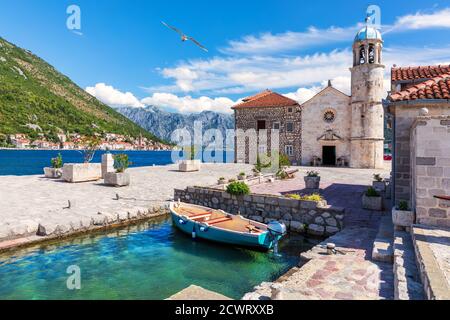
107 164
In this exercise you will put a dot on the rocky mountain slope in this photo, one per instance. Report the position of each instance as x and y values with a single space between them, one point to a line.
162 123
39 101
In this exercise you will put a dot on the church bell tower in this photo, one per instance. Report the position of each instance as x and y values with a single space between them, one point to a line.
367 126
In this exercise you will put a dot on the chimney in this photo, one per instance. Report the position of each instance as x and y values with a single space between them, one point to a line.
329 83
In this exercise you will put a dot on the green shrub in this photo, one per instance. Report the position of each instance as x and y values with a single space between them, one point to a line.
284 161
312 174
403 206
312 197
57 162
242 174
231 180
238 188
377 177
282 174
371 192
121 162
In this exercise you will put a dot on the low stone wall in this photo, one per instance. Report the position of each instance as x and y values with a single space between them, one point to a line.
298 215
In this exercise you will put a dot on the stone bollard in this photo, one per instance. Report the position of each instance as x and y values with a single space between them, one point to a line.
107 164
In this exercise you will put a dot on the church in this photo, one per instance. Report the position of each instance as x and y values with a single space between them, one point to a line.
332 128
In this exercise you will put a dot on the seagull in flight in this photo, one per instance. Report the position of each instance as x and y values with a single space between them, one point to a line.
185 37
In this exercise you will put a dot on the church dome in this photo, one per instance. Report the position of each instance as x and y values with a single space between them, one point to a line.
368 33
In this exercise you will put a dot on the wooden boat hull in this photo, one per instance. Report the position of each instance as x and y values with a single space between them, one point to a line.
264 240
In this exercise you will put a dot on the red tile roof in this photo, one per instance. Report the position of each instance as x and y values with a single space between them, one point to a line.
417 73
435 88
266 98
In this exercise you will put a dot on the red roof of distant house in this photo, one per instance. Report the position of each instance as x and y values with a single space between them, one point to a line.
418 73
435 88
266 98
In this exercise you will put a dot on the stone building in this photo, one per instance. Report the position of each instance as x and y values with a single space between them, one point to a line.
420 108
331 128
326 131
263 112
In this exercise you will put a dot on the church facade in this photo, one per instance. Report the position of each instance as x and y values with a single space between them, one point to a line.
332 128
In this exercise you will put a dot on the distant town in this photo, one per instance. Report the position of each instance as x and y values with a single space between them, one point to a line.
74 141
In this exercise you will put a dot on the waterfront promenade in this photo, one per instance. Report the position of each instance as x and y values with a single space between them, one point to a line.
27 201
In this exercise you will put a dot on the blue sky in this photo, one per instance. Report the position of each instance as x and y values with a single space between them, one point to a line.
125 56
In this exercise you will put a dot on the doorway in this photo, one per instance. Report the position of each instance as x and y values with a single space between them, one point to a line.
329 155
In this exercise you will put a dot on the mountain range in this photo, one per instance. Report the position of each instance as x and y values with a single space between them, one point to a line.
162 123
38 101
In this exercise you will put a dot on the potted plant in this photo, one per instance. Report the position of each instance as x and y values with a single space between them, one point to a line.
120 178
402 216
241 176
378 183
221 181
190 163
55 171
312 180
82 172
372 200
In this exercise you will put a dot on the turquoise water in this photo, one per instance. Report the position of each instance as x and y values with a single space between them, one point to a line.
152 260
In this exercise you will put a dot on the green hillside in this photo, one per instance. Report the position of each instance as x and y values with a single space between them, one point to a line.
35 98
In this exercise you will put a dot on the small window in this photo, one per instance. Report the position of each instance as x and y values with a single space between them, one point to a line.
289 150
262 149
290 110
290 127
276 126
261 125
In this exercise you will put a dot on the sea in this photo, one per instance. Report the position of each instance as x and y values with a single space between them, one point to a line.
32 162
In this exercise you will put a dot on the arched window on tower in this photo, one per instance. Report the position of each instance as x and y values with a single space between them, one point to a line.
371 53
362 55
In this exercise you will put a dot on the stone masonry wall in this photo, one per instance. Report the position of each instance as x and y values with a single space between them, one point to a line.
430 158
299 216
247 118
405 115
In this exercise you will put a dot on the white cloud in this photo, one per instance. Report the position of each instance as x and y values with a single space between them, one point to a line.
113 97
437 19
219 76
188 104
286 41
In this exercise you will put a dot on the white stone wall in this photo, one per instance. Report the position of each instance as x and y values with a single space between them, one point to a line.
367 120
314 125
430 167
405 116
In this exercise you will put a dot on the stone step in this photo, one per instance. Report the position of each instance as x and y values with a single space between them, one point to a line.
407 283
383 250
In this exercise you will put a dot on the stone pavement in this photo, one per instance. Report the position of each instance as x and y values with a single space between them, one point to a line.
432 246
27 201
347 275
341 187
351 274
194 292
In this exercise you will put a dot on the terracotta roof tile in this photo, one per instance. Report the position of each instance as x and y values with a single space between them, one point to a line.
266 98
435 88
417 73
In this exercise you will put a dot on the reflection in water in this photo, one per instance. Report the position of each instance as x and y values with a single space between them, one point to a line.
151 260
